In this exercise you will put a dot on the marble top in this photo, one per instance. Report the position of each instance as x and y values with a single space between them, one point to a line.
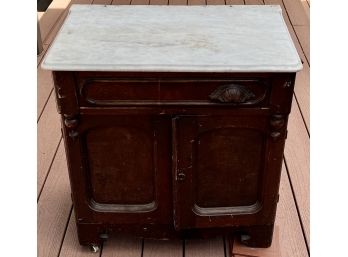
173 39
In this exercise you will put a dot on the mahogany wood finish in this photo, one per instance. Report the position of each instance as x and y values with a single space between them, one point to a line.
163 155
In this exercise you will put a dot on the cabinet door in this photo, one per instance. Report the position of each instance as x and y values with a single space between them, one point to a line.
120 168
220 166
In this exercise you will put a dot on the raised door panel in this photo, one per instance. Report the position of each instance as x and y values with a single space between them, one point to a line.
120 168
121 164
228 165
219 169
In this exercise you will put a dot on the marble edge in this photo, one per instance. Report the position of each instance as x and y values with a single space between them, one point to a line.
160 68
47 54
77 7
292 45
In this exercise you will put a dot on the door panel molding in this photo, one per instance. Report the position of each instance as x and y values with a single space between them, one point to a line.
236 210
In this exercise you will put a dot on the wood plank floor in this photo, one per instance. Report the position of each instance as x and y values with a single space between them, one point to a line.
56 228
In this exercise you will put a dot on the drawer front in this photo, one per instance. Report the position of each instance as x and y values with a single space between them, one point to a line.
115 92
109 91
237 92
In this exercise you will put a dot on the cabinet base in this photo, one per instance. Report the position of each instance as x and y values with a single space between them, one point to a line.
253 236
257 236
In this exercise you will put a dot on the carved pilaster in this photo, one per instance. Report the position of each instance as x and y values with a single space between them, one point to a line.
277 123
287 84
71 124
66 97
282 93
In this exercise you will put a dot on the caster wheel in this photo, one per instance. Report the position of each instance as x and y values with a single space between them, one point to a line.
94 248
244 238
257 236
104 237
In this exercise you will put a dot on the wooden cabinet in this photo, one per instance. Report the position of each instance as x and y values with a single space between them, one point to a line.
164 168
174 118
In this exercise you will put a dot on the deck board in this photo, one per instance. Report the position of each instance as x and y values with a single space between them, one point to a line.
121 2
105 2
48 130
254 2
54 204
121 246
196 2
297 160
213 247
158 2
42 54
296 12
44 89
51 15
71 246
54 208
61 19
306 8
163 248
178 2
302 94
215 2
236 2
140 2
302 33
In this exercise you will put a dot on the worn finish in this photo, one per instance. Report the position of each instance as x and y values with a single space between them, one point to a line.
291 241
144 150
195 38
136 165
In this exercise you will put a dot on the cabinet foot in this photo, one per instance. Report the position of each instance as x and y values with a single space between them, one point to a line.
230 240
258 236
92 235
94 248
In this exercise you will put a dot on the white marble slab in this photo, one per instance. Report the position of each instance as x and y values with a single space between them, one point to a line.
174 38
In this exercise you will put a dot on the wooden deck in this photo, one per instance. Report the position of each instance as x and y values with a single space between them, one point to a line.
56 229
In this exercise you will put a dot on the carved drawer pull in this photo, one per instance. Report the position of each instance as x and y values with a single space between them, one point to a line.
232 93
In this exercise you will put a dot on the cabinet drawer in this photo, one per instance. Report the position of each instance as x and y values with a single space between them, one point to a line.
236 92
110 91
114 92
